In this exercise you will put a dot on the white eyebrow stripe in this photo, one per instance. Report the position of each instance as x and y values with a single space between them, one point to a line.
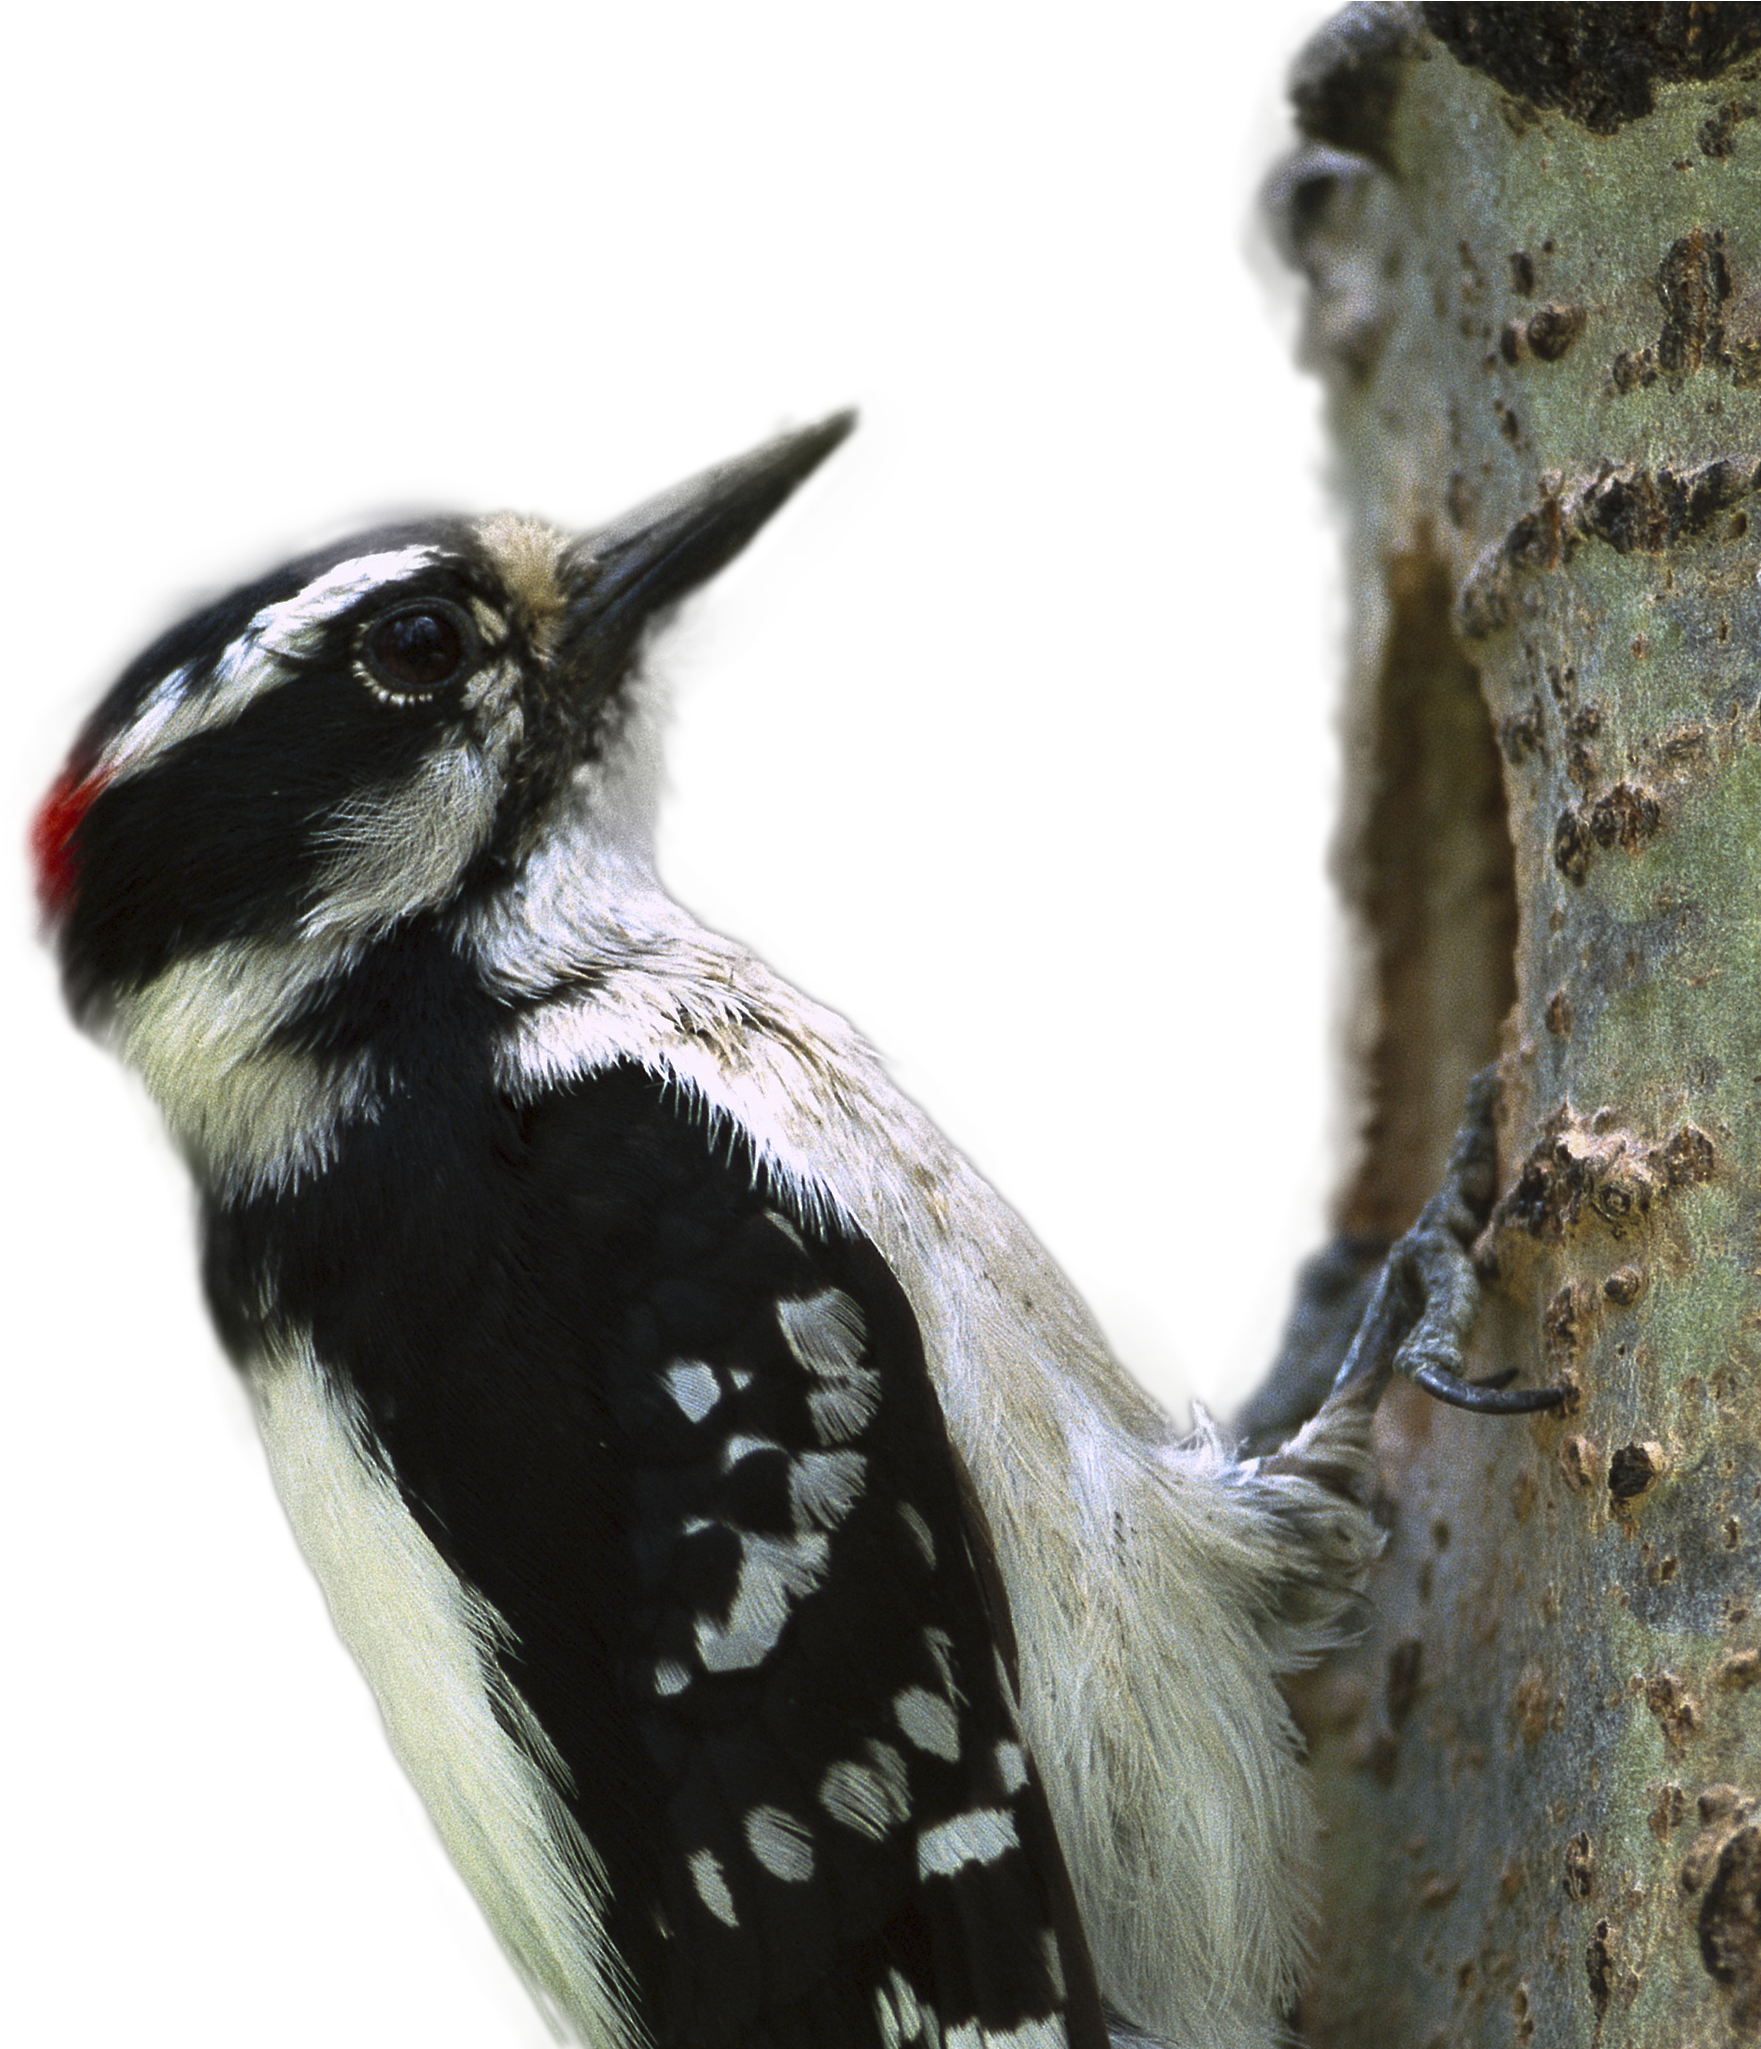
288 625
174 711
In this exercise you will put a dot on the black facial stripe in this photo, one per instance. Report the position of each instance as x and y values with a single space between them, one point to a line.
193 617
219 840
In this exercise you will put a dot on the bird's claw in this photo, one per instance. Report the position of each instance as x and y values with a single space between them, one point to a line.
1428 1297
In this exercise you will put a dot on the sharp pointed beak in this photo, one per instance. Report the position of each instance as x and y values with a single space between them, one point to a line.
650 572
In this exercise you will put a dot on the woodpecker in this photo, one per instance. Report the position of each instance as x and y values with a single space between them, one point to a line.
799 1628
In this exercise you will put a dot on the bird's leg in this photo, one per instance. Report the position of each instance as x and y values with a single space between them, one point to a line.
1427 1298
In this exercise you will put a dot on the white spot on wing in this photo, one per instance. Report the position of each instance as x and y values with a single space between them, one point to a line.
1036 2034
780 1843
742 1446
920 1531
887 2019
824 1486
712 1887
693 1386
788 1229
869 1797
940 1647
1011 1766
927 1722
670 1677
977 1838
1054 1957
909 2021
825 1332
775 1572
843 1411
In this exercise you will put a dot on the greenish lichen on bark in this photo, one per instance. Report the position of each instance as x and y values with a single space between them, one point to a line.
1533 237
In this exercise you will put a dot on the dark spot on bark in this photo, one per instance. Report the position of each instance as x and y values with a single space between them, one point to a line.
1566 1322
1633 1470
1522 271
1553 329
1559 1014
1738 1672
1345 80
1580 1867
1404 1662
1676 1709
1577 1462
1599 1966
1511 343
1585 723
1688 1157
1626 817
1571 845
1508 423
1458 499
1633 368
1520 733
1718 131
1596 65
1624 1285
1693 282
1667 1811
1730 1924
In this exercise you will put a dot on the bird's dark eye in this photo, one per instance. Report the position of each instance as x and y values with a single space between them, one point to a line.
417 650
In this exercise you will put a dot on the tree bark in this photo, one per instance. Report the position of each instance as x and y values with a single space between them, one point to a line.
1533 236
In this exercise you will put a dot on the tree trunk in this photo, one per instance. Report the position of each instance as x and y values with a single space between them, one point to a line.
1533 236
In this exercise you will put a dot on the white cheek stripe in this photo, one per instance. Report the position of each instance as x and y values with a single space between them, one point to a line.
400 847
426 1643
248 1115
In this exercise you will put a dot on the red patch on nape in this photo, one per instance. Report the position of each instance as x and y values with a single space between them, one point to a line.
44 806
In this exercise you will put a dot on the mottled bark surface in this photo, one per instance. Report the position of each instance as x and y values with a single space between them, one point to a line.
1533 237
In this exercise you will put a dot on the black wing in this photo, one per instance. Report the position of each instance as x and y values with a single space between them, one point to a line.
688 1449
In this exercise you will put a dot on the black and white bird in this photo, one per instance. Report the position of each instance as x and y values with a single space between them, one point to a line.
800 1630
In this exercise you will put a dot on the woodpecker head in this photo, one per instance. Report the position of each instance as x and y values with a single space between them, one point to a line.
378 734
